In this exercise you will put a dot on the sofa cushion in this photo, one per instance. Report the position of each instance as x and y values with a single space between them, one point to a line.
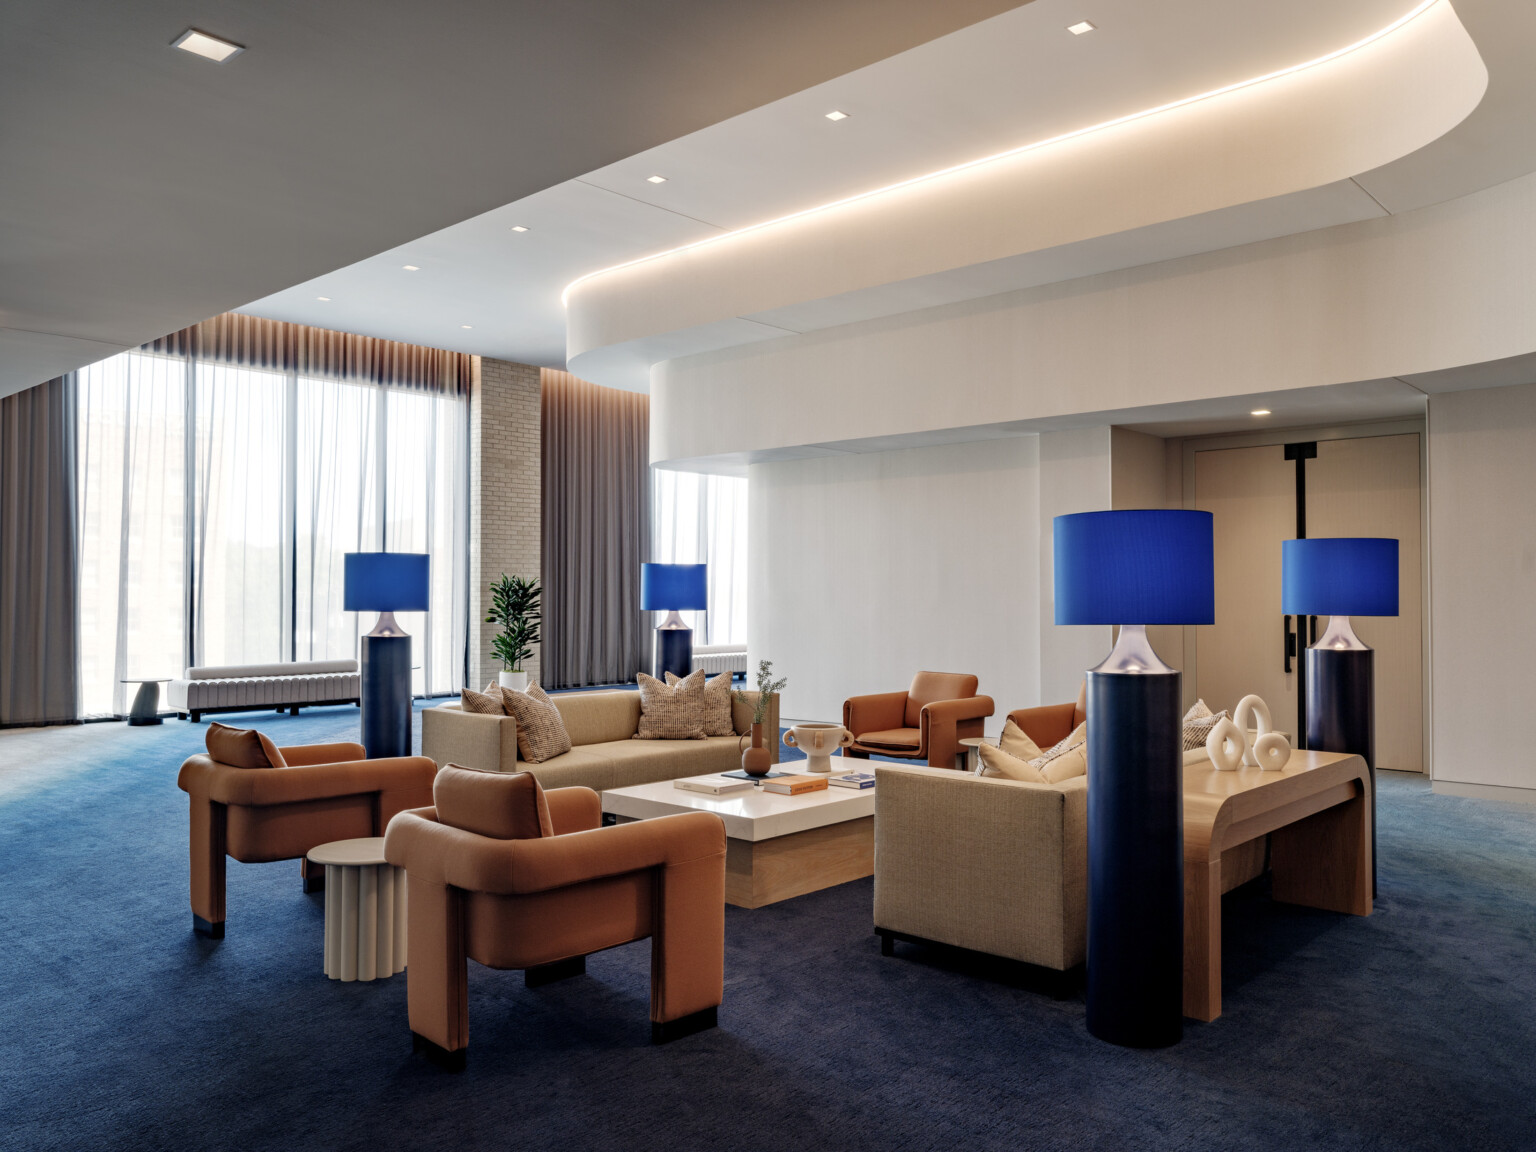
1198 722
1018 743
501 805
899 739
1066 758
930 686
599 717
242 748
997 763
715 718
487 703
541 732
671 713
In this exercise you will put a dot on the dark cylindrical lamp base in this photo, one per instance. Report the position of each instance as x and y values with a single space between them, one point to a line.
1341 712
1135 859
386 696
674 652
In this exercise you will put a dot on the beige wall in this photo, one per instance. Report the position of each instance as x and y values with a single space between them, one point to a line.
504 495
1074 477
1482 570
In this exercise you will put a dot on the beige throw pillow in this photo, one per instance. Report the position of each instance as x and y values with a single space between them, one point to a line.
997 763
487 703
1066 758
715 717
1018 743
541 733
671 712
1198 722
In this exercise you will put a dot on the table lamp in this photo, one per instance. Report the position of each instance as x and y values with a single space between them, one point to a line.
1135 568
1340 577
673 588
386 583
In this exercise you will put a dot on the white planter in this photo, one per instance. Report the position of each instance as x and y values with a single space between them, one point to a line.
517 681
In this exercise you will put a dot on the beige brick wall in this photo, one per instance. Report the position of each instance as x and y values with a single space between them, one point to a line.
504 495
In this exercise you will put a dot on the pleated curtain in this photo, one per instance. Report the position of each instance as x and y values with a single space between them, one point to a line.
39 563
596 531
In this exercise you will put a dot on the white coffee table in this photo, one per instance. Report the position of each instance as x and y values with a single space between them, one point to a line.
364 910
777 846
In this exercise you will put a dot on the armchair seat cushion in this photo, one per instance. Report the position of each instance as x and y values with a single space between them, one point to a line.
900 739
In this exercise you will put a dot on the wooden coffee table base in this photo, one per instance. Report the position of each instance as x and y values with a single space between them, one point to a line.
759 872
1317 814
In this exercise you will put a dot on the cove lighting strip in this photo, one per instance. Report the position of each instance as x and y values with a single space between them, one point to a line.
1406 18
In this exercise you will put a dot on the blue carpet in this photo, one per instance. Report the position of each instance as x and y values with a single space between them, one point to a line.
1414 1028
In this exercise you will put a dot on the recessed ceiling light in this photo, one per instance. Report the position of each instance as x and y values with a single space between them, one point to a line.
466 325
656 179
1259 412
518 228
1080 27
327 299
837 115
410 268
206 46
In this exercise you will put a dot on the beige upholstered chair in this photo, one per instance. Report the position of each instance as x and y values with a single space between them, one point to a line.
926 722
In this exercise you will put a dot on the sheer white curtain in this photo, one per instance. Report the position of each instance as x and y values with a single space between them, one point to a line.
224 546
702 519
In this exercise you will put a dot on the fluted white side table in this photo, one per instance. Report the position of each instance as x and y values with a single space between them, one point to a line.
364 910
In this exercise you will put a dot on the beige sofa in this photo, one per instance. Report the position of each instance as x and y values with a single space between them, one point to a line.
603 753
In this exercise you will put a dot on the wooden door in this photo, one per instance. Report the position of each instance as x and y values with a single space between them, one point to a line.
1365 486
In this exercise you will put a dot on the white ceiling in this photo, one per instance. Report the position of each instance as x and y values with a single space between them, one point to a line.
143 189
1017 77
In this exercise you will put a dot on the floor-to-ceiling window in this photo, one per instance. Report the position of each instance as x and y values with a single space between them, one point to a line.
702 519
216 503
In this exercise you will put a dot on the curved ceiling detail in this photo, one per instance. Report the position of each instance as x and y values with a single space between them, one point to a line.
1254 159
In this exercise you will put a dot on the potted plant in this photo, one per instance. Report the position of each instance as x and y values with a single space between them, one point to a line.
756 761
515 607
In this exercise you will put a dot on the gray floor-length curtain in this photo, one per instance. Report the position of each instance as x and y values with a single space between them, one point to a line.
596 533
39 628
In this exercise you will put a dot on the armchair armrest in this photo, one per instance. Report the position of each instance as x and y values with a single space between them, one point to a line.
945 722
449 735
302 754
410 777
1045 725
876 713
574 809
439 854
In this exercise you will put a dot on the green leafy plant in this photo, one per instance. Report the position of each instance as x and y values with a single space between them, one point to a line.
515 607
767 688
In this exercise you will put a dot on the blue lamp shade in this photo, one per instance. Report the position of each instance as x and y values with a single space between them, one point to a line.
1148 566
386 582
1339 576
673 588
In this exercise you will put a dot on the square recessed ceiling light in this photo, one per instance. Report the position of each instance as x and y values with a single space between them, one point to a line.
206 46
466 325
410 268
327 299
1259 412
837 115
1080 27
655 179
518 228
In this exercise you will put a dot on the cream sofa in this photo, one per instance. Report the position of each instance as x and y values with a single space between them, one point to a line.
603 753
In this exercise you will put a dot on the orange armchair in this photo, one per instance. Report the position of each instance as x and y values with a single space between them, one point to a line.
256 815
926 722
501 872
1052 722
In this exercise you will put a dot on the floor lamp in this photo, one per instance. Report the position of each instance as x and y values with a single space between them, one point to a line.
1340 577
673 588
1135 568
386 583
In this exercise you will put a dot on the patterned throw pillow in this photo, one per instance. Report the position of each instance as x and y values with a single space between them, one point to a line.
1198 722
487 703
671 713
1066 758
1018 743
541 732
997 763
715 718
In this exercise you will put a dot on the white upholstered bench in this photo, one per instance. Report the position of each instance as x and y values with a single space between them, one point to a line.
718 658
245 687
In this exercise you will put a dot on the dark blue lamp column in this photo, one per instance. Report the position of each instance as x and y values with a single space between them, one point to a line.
386 583
1135 568
673 588
1340 577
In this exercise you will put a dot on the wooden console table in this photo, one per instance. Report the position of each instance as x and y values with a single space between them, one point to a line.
1317 814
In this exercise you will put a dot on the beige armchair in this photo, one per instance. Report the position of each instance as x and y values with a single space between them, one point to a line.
926 722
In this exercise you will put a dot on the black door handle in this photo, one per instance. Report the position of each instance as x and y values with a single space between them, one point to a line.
1290 642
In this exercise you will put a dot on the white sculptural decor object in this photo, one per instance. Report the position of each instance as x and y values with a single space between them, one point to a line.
1229 744
818 742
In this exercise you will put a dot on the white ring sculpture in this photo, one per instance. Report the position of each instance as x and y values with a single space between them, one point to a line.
1252 707
1226 745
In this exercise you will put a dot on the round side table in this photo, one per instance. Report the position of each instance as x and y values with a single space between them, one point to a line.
146 701
970 757
364 910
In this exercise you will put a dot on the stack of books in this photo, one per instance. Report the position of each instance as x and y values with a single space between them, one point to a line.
712 785
796 785
859 780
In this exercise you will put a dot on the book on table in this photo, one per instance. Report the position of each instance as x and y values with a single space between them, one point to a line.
858 780
796 785
712 785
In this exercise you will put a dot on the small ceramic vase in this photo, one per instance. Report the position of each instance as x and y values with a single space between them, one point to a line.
756 761
818 742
